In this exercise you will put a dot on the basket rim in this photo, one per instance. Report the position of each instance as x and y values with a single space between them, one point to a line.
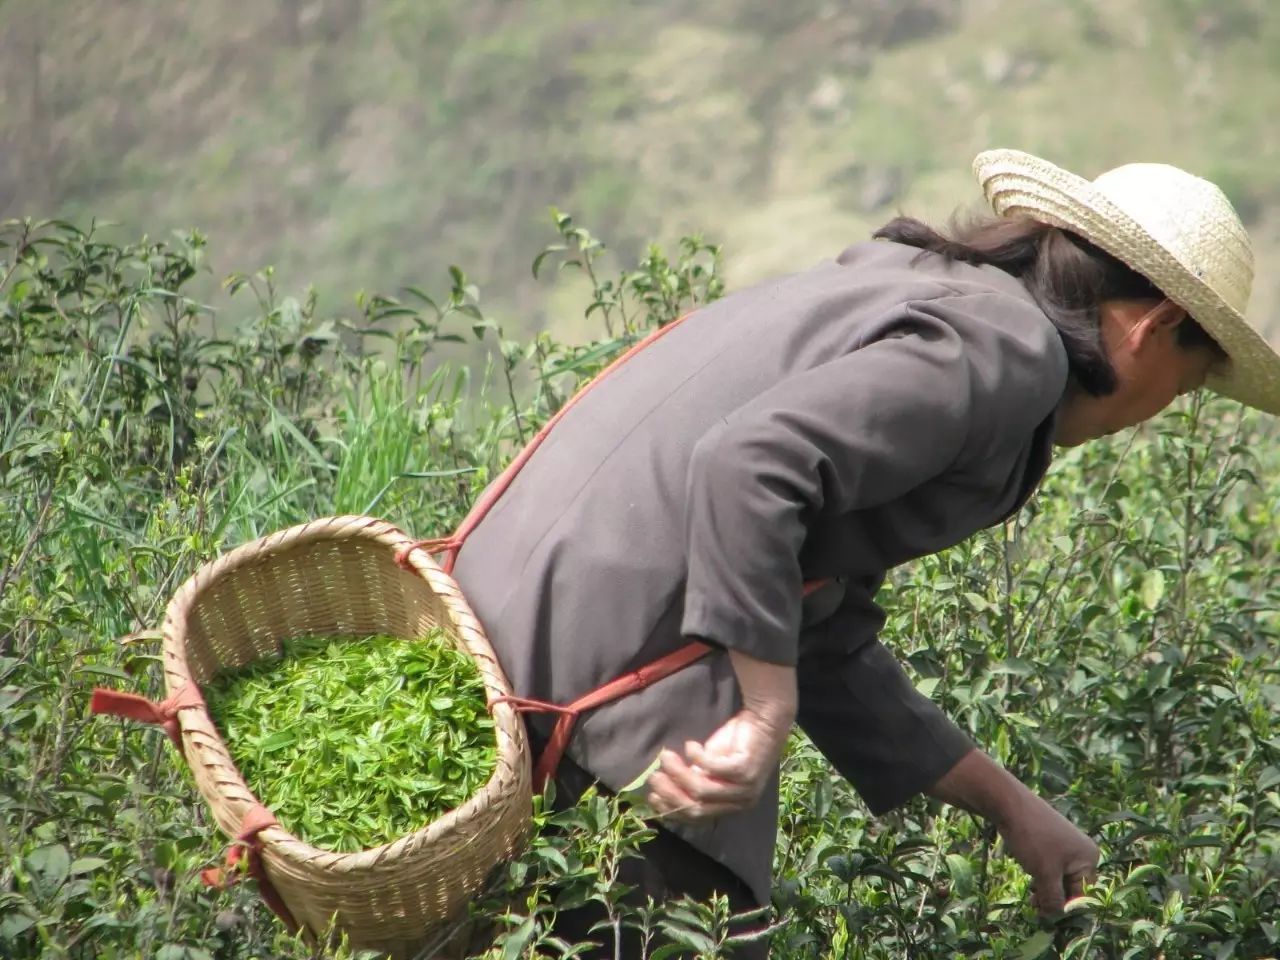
510 778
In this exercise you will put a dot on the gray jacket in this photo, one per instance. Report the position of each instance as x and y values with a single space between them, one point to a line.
833 423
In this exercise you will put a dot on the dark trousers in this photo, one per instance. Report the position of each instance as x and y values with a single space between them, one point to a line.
667 869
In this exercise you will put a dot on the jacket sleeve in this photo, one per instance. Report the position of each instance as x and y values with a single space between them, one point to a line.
861 710
857 431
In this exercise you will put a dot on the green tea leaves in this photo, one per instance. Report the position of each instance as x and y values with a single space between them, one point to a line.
355 742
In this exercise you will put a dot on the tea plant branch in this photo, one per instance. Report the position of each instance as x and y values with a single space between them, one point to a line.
1075 558
925 887
511 395
125 320
902 923
19 250
1007 531
37 531
47 758
432 948
1188 512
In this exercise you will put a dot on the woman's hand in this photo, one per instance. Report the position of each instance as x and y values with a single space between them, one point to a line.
729 771
1058 856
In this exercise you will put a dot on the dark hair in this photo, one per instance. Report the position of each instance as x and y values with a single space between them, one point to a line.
1067 275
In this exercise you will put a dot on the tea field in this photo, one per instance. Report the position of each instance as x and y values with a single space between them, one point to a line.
1115 645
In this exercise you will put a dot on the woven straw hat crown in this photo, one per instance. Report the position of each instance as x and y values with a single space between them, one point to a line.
1174 228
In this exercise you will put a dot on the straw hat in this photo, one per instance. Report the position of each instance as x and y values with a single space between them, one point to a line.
1177 230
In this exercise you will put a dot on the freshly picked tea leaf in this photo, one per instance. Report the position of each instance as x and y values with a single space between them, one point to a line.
353 742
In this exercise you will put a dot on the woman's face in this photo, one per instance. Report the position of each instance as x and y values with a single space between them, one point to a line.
1152 369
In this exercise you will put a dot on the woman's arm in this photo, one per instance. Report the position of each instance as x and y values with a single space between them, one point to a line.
730 770
1057 855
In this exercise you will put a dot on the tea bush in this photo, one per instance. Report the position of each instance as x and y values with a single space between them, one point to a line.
1113 644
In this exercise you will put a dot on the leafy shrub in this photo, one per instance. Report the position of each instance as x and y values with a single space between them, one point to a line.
1113 645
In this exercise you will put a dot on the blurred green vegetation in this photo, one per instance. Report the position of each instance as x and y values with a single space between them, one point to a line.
367 144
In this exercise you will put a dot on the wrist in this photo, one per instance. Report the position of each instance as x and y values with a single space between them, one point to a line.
768 691
772 717
980 785
1008 802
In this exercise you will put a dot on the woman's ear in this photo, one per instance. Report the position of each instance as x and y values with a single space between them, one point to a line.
1169 314
1175 314
1164 316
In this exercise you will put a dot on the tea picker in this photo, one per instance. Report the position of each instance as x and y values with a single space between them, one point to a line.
820 429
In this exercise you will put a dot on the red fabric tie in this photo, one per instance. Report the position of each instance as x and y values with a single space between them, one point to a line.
248 844
117 703
628 683
449 546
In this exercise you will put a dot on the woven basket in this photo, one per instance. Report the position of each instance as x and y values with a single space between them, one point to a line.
339 576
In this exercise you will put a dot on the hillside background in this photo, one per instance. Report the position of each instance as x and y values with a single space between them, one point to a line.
368 144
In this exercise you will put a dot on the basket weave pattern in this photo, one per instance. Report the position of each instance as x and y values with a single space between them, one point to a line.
339 576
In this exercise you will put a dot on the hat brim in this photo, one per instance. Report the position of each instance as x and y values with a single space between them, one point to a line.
1017 183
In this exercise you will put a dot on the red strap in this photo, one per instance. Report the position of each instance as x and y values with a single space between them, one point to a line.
499 486
628 683
131 706
248 844
624 685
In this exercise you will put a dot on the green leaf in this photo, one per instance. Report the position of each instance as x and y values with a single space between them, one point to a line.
86 865
277 741
9 696
515 942
637 785
1034 946
926 685
689 937
14 924
1152 588
51 864
1270 778
961 871
547 251
554 856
